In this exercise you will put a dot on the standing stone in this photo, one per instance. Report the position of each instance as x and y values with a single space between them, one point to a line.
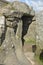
2 31
2 27
12 43
18 45
39 29
8 45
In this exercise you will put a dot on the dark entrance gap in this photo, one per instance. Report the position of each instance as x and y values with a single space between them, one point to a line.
26 21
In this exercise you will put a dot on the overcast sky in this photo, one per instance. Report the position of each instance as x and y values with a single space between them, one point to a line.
37 4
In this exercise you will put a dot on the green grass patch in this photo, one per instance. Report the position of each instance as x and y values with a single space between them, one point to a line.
30 40
37 59
38 56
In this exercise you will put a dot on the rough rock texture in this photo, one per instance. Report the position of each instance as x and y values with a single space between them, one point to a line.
22 7
39 29
2 28
3 2
35 31
17 22
4 6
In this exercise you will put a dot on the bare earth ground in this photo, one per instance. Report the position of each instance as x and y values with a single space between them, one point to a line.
29 54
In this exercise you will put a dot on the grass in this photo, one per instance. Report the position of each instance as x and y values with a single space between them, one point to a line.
38 60
30 40
37 56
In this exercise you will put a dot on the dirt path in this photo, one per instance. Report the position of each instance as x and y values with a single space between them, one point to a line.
30 57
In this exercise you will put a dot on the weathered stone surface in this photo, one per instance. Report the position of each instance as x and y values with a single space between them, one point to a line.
18 45
2 27
13 13
39 29
17 22
18 9
4 5
22 7
2 56
10 56
2 24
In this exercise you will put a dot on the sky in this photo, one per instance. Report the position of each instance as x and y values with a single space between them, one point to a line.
36 4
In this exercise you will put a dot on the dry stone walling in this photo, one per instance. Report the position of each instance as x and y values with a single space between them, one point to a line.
16 25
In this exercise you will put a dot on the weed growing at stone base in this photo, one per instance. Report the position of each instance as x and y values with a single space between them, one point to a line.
40 62
30 40
39 56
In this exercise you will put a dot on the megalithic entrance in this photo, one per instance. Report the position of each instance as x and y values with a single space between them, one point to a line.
16 26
